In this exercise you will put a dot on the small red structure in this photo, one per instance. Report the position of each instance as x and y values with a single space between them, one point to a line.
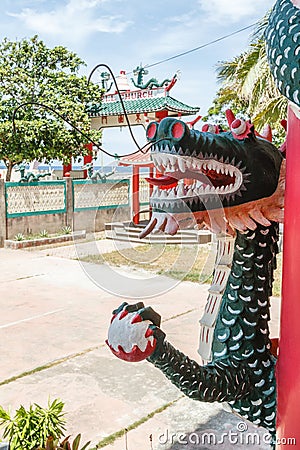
137 161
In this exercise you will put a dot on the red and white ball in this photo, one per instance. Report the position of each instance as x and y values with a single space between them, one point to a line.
130 338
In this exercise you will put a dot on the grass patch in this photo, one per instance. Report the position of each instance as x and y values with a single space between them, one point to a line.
187 263
118 434
49 365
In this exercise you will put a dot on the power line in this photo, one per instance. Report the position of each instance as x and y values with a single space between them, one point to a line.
222 38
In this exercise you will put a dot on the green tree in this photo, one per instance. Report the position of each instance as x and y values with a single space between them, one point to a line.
32 72
248 87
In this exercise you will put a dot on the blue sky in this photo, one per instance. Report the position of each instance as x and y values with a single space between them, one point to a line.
124 33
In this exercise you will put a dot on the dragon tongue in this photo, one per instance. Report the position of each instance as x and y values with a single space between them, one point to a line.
164 180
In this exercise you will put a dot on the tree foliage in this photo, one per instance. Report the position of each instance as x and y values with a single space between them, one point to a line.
248 87
32 72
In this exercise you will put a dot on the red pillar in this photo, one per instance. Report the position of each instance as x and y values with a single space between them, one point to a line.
88 158
151 174
67 169
161 115
135 195
288 366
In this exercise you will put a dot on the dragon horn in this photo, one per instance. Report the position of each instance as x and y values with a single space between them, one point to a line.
229 116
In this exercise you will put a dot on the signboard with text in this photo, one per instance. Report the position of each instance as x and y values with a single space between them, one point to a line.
135 95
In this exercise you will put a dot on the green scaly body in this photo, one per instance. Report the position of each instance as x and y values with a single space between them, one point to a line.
242 369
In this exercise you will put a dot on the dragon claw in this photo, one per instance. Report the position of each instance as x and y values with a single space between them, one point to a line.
120 308
137 318
123 314
149 332
148 313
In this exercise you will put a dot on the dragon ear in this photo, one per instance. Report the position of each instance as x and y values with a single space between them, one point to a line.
241 129
207 127
229 116
265 134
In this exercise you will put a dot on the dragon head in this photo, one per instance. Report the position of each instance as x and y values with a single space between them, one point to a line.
227 175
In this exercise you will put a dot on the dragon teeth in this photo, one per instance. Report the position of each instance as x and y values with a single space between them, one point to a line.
171 162
172 194
189 164
181 164
180 191
155 191
166 160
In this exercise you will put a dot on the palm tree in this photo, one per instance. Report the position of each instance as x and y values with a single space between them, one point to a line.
247 85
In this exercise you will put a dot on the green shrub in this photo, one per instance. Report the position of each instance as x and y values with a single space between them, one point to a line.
19 237
66 230
30 429
44 234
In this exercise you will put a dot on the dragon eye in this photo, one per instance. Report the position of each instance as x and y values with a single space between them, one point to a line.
238 126
177 130
151 131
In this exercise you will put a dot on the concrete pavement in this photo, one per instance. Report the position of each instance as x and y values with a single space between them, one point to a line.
53 325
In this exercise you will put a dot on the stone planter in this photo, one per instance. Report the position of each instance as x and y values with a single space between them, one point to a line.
15 245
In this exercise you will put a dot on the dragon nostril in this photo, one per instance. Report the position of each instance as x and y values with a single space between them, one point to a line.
151 131
177 130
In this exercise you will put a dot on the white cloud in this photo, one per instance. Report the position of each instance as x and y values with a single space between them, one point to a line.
74 21
233 11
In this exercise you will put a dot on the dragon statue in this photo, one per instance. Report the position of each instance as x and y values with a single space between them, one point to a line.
236 188
139 72
232 182
105 77
29 176
94 175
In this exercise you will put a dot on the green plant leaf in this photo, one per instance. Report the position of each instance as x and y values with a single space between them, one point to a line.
76 442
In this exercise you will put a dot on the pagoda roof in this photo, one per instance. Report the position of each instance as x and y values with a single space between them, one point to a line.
142 159
140 105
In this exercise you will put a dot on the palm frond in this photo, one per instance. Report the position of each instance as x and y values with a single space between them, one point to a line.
247 82
259 30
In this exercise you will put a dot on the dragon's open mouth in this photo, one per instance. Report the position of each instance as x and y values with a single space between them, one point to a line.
187 177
